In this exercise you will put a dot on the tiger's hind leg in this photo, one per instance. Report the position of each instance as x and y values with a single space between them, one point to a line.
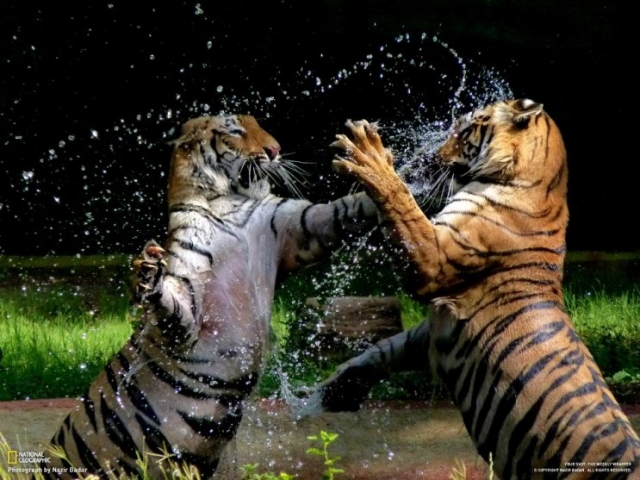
349 386
148 272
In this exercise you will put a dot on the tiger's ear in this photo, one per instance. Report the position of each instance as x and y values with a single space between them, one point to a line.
524 109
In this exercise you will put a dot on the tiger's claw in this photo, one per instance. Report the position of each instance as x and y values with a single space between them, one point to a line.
148 271
365 157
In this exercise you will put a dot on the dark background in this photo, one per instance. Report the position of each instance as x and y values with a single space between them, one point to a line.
89 89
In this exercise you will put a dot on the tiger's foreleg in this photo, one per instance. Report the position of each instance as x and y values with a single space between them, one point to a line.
366 158
168 299
314 230
348 387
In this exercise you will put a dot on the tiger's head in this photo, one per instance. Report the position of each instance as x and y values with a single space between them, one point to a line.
225 154
512 142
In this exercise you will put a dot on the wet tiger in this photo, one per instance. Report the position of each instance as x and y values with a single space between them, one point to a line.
490 264
179 384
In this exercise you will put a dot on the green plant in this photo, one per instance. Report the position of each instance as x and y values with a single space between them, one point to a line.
325 439
627 375
250 472
413 312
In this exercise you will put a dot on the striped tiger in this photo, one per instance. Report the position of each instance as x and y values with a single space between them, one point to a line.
179 383
490 266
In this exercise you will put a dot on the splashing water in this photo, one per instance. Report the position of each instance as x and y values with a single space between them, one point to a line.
414 142
414 85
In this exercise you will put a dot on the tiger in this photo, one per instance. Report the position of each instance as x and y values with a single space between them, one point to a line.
178 385
489 266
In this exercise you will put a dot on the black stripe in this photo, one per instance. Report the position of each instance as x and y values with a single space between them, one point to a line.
189 231
111 378
247 209
548 125
153 437
483 413
570 423
178 387
140 402
90 411
555 181
551 435
117 431
87 457
192 247
518 296
495 203
516 437
59 437
502 225
507 402
224 428
497 327
592 437
197 209
544 334
274 215
243 384
516 251
582 390
482 366
189 286
503 323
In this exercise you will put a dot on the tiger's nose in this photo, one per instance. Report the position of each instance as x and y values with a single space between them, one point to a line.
272 152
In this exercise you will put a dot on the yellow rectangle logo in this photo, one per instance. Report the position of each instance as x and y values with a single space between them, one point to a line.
12 457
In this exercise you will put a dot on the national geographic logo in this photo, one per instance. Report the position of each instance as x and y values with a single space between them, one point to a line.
15 457
37 462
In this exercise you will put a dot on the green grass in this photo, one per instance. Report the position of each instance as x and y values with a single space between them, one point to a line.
609 324
54 341
64 262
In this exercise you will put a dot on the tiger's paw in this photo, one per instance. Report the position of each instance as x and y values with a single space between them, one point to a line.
345 391
366 158
148 270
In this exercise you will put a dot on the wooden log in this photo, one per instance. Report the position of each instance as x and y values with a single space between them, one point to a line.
373 318
343 326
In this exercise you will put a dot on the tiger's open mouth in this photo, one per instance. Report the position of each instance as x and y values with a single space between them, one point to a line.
251 172
278 172
461 172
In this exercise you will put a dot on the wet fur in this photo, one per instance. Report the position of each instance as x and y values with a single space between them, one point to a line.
490 264
180 382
